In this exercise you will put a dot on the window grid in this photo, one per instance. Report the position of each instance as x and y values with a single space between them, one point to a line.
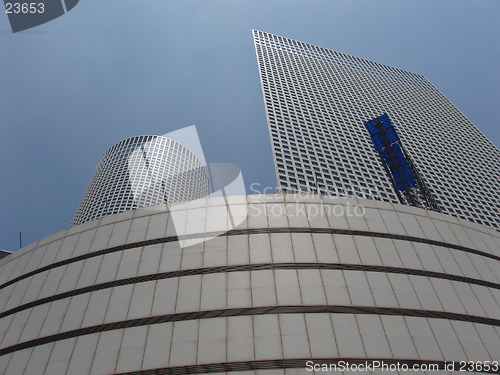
142 171
317 101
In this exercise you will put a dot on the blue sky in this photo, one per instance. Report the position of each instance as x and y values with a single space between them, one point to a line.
111 69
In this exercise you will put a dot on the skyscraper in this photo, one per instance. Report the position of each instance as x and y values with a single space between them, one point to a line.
275 284
142 171
317 101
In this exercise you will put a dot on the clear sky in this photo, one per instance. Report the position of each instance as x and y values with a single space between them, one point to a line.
111 69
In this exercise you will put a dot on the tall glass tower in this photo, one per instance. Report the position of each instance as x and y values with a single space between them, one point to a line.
317 102
142 171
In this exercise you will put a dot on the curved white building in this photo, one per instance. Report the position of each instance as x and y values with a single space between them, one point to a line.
142 171
303 281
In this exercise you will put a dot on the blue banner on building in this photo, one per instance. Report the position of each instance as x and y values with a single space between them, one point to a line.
386 142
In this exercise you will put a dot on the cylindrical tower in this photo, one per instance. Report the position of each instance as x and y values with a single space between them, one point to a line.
142 171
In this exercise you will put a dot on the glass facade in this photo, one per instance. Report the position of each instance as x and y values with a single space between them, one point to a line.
317 101
142 171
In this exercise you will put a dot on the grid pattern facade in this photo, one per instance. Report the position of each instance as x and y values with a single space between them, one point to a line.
317 101
296 281
142 171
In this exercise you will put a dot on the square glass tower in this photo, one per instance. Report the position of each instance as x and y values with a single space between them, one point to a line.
317 102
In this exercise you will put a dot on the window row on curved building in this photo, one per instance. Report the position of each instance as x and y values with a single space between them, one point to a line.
303 280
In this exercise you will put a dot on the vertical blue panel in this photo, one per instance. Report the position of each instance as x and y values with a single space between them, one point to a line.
400 168
386 142
381 131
